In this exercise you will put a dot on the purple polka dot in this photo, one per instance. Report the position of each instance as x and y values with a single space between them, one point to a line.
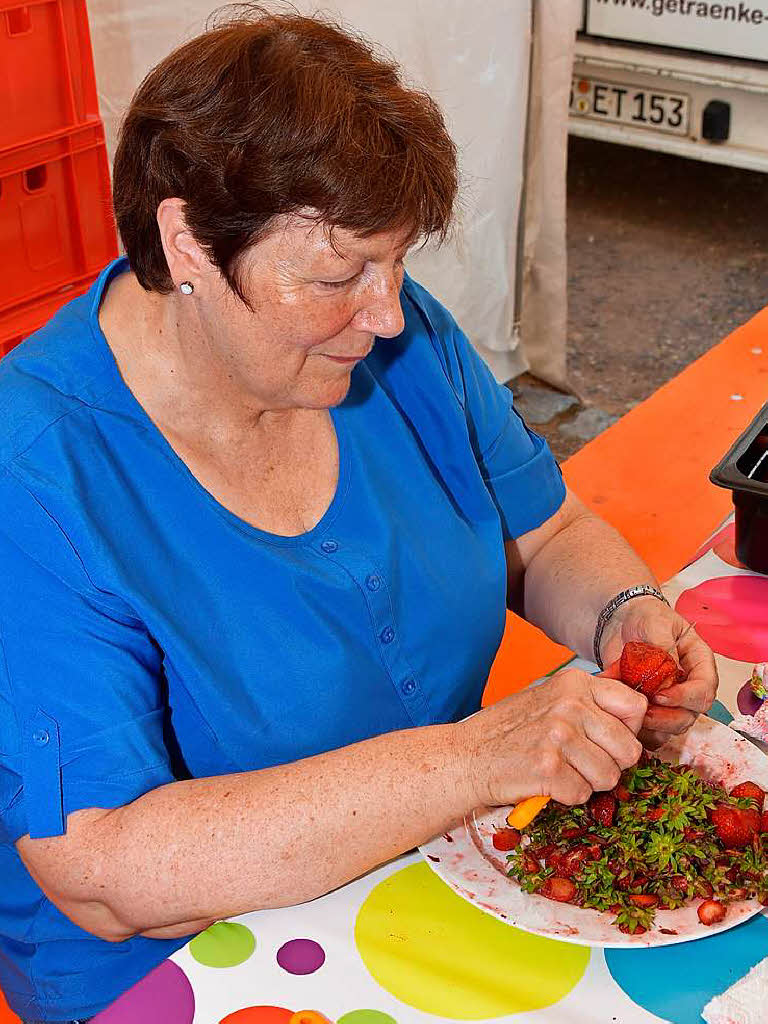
164 994
301 956
748 703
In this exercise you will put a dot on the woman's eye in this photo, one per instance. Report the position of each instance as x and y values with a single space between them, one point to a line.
337 284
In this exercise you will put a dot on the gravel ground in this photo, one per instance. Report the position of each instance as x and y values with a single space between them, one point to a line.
666 256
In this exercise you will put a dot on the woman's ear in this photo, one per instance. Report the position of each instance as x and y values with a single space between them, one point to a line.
186 260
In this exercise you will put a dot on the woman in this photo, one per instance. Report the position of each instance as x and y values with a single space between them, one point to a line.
262 505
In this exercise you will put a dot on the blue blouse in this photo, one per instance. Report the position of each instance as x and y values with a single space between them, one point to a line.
148 634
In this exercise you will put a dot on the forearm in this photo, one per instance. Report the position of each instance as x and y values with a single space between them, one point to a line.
571 579
204 849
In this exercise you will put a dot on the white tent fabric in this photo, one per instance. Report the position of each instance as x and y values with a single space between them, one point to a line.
476 61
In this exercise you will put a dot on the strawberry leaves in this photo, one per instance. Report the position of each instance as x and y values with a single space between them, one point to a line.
658 846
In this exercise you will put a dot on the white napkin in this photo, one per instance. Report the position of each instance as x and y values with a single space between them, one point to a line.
745 1002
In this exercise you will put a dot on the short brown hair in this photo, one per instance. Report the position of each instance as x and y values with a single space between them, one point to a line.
266 114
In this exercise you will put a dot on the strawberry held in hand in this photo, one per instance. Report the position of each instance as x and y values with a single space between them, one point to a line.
647 668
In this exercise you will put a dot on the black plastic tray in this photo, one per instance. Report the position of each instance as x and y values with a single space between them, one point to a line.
744 471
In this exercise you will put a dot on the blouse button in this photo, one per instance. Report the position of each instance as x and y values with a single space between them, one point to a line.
40 737
409 686
329 546
373 582
387 635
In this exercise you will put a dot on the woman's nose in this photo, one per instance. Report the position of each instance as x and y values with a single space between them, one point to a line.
382 313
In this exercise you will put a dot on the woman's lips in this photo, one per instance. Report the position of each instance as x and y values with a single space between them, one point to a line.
346 359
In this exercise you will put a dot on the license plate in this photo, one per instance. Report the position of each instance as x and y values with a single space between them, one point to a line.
630 105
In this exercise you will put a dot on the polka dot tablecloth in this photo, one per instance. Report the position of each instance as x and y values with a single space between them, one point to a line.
399 947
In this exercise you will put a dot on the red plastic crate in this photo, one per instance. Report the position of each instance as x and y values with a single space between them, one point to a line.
47 82
19 322
56 221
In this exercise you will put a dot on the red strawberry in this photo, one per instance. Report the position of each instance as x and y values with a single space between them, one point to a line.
644 900
656 814
750 789
679 882
691 833
561 889
602 806
735 827
647 668
506 839
542 852
621 792
553 858
638 929
530 864
572 861
574 833
764 822
711 911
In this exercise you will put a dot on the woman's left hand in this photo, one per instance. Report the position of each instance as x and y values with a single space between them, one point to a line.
675 708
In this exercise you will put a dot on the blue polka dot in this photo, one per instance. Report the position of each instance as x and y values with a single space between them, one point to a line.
720 713
676 982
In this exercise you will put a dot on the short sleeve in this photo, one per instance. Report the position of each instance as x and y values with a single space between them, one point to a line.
517 464
81 711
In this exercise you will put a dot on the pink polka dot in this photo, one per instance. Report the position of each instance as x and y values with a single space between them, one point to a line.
164 995
301 956
730 614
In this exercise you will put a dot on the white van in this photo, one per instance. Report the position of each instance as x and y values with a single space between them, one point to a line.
680 76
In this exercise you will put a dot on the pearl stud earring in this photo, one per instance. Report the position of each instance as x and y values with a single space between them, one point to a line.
186 287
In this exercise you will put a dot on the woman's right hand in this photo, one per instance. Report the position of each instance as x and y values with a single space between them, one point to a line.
570 736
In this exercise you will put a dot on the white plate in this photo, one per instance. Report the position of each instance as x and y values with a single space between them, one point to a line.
466 859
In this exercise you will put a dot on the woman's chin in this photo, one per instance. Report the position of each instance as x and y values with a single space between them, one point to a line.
328 393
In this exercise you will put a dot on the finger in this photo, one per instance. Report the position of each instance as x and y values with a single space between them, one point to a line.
593 764
672 721
696 658
611 671
694 694
652 740
614 737
619 700
570 787
694 653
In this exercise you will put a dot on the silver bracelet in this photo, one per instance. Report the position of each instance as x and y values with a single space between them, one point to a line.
641 590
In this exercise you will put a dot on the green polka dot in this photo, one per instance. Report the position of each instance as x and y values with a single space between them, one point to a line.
224 944
366 1017
436 952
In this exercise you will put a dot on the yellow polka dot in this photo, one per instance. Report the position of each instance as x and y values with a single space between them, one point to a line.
434 951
